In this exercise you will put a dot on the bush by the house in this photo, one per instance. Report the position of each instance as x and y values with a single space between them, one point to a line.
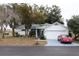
32 33
42 37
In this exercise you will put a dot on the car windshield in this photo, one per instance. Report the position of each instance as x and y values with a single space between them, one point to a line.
65 35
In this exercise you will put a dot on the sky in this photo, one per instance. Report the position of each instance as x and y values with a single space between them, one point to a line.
68 7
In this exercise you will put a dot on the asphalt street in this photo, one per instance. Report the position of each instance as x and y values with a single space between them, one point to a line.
39 51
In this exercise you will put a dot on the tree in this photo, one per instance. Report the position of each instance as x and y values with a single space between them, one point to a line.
38 14
30 15
12 23
25 12
73 25
54 14
12 16
3 17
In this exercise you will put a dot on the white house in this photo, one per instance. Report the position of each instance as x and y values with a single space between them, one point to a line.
39 29
54 30
50 31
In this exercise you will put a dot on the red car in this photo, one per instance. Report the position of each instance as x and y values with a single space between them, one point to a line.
65 39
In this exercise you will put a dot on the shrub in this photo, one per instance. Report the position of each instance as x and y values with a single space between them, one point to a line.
42 37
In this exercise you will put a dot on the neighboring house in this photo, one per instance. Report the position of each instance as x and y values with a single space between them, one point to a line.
54 30
20 30
8 29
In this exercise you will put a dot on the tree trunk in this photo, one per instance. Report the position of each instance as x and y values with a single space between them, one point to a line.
76 36
25 32
2 31
28 31
13 32
3 36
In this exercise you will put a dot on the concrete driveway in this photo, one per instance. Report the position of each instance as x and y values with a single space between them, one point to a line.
54 42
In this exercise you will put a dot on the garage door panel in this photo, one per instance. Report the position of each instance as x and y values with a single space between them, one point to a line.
53 34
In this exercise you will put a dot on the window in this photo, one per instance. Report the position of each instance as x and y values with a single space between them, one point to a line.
6 33
23 30
56 23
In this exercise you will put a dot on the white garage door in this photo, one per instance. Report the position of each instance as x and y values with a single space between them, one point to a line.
54 34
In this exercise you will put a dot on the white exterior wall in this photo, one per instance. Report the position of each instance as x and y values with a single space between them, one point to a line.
54 31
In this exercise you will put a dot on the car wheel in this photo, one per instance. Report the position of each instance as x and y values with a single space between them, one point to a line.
58 39
62 42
